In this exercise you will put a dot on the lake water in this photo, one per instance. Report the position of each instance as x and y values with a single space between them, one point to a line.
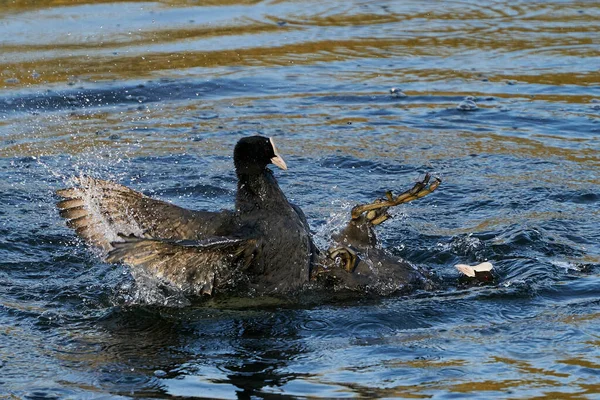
155 94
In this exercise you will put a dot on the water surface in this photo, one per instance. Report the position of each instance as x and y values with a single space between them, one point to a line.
155 94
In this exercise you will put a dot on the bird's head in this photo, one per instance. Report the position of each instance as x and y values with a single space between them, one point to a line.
252 155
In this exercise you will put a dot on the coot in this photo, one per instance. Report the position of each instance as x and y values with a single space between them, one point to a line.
263 246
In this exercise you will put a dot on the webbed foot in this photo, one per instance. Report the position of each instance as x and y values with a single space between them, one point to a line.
344 257
336 258
376 212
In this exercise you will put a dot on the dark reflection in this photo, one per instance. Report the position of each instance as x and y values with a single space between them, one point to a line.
153 348
129 346
261 345
267 349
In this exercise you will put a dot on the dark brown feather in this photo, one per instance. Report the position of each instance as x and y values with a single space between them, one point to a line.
196 267
100 211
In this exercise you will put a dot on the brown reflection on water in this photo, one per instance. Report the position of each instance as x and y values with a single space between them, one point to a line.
500 385
31 5
77 133
541 378
535 77
423 363
525 147
526 367
153 38
128 67
537 380
18 6
579 362
345 20
391 33
143 65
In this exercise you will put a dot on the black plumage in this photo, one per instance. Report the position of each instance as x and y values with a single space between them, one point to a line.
263 246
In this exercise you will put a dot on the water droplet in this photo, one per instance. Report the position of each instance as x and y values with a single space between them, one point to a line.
467 105
397 92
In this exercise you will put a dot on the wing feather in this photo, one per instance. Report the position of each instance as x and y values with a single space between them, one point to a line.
196 267
101 211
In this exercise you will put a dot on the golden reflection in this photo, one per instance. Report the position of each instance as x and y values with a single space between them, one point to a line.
343 20
154 37
580 362
553 395
15 6
31 307
491 223
491 143
529 33
103 67
546 77
136 67
424 363
526 367
369 392
501 385
346 121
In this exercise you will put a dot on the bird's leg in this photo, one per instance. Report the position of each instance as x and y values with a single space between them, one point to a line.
359 234
376 212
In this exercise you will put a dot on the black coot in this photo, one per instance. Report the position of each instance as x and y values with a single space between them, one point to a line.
263 246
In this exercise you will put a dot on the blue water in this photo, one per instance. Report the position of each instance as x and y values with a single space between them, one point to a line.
155 95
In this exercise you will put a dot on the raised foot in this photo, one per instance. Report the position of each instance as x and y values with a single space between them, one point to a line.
344 257
376 212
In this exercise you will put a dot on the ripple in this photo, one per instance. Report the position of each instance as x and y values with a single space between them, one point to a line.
155 96
315 325
373 328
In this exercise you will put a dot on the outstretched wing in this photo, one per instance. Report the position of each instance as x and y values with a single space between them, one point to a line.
194 267
101 211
